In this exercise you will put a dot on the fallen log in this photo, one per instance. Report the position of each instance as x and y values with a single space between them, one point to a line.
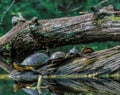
24 38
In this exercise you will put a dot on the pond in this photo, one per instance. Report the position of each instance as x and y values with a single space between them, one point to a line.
104 85
65 80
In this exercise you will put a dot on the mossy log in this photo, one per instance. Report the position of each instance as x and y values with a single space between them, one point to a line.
101 69
22 41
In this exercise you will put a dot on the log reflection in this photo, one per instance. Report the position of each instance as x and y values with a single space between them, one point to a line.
83 86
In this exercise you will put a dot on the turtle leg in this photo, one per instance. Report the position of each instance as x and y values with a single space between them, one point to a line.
17 67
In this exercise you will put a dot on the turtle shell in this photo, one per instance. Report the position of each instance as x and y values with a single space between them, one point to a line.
73 51
35 59
57 55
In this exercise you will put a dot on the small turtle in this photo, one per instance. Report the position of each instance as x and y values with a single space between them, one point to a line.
72 53
57 56
86 50
32 62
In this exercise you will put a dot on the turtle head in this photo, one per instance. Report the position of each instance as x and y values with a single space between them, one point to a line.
17 67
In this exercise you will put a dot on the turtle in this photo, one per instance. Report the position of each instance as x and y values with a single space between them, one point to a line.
57 56
26 79
73 53
86 50
32 61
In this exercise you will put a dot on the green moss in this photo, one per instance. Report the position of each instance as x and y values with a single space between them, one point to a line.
110 55
8 47
114 18
111 18
91 61
8 61
46 34
100 21
69 34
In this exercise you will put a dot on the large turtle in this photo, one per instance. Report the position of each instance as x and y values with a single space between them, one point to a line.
32 61
57 56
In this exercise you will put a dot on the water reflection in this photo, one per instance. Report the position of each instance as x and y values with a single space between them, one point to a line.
104 84
63 86
83 86
35 92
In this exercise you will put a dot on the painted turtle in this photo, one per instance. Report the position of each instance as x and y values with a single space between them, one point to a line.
72 53
32 62
57 56
86 50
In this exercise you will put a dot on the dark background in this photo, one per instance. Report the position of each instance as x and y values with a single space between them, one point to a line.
46 9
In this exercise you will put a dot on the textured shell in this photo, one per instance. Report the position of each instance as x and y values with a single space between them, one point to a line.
57 55
74 51
36 59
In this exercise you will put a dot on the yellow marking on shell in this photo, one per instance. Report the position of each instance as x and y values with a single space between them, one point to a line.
29 67
17 67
